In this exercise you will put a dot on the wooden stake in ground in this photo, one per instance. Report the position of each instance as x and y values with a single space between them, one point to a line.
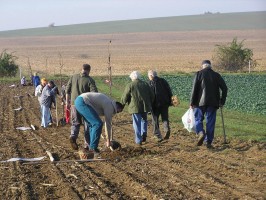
56 113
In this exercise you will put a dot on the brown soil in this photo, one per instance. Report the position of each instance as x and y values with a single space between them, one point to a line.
173 169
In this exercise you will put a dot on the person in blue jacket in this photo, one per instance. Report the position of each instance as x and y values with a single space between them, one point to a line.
36 80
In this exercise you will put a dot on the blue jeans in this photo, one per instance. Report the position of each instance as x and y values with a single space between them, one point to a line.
50 120
46 116
210 114
95 123
140 126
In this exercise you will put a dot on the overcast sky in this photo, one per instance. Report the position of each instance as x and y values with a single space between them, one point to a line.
21 14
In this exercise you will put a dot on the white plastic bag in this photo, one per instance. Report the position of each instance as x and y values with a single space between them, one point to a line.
188 120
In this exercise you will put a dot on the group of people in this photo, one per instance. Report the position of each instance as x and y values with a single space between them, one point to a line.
143 98
87 106
34 80
46 92
152 97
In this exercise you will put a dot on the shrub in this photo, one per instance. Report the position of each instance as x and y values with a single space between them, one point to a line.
7 64
233 57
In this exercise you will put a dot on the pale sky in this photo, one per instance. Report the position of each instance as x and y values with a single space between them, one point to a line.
23 14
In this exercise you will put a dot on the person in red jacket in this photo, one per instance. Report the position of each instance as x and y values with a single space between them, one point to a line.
65 108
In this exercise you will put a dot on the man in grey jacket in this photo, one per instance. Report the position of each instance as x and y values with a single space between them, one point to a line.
206 99
47 96
91 106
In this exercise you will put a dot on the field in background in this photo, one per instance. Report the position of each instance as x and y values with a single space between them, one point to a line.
168 44
162 51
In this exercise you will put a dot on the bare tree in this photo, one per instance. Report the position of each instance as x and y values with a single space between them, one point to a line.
29 68
109 68
46 65
61 63
51 25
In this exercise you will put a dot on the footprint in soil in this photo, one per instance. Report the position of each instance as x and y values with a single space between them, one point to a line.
124 153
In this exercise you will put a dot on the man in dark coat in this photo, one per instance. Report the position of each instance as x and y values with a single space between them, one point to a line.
163 94
206 99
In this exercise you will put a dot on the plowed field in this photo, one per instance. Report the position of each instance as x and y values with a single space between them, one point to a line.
181 51
173 169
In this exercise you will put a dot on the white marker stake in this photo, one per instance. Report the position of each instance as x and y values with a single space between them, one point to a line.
50 156
33 127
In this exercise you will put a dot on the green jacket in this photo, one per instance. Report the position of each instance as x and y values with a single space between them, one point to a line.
78 84
139 97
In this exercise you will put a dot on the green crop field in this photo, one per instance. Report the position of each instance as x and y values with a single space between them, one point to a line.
246 92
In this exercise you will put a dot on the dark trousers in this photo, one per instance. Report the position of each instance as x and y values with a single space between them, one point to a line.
163 112
76 121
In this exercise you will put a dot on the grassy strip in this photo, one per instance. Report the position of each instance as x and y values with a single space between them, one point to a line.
237 124
10 80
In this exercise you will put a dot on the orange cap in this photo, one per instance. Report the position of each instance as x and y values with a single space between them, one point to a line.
43 80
